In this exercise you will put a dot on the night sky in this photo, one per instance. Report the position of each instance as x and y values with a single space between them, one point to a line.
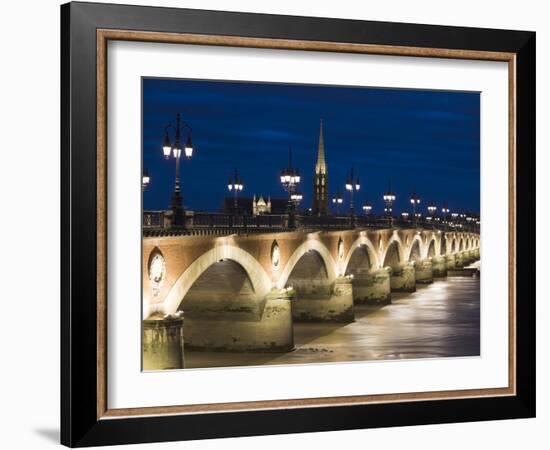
426 141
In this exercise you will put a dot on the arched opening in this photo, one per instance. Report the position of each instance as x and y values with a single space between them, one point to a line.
392 257
453 246
360 261
260 279
221 296
414 254
431 249
309 276
223 287
443 249
461 245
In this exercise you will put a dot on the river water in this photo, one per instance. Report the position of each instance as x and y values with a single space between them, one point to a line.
438 320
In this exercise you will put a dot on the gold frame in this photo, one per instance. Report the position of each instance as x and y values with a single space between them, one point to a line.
104 35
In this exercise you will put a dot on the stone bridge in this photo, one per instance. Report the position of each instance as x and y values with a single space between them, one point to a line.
243 292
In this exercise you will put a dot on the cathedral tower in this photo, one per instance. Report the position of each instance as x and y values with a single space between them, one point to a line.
320 180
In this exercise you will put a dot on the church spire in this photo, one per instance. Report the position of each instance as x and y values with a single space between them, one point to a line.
320 179
321 166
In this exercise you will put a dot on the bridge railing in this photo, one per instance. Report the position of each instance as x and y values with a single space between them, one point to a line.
216 220
158 223
154 219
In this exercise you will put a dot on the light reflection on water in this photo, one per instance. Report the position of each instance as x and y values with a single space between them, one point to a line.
438 320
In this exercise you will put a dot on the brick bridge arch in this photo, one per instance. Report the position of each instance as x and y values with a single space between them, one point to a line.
400 248
260 280
362 241
308 246
416 241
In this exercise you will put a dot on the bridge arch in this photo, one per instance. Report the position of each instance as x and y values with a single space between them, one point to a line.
415 250
453 245
394 253
431 250
443 246
362 242
259 279
308 246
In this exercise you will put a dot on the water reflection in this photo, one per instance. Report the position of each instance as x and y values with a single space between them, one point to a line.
438 320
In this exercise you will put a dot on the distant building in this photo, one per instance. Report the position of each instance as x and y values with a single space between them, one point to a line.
319 206
257 205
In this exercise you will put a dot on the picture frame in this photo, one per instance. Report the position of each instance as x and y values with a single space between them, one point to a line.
86 418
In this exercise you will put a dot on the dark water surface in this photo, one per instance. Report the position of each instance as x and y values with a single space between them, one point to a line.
438 320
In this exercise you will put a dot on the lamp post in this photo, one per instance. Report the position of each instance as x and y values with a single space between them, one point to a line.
469 221
405 216
389 198
290 178
367 209
175 150
352 185
462 217
431 211
297 198
337 200
235 185
445 212
454 217
145 179
415 201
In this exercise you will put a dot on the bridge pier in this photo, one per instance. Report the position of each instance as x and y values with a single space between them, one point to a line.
423 271
163 343
460 260
439 266
272 332
403 278
336 305
372 287
450 261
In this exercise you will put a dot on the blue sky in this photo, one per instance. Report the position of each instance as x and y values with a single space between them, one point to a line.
426 141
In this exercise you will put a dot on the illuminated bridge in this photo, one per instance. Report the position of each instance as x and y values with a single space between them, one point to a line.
237 286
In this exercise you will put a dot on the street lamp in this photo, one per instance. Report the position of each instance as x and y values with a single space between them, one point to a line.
235 185
290 178
454 217
297 198
445 211
145 179
175 150
367 208
352 185
405 216
415 201
389 198
431 211
337 200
